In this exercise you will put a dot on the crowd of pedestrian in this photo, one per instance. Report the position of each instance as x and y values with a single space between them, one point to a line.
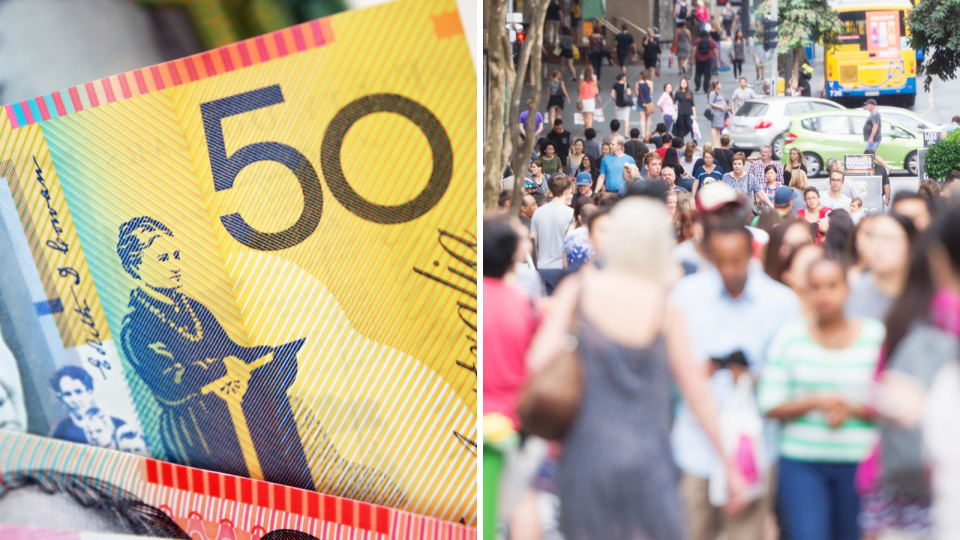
716 347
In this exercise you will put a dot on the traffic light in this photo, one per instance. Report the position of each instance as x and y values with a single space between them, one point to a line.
769 34
521 36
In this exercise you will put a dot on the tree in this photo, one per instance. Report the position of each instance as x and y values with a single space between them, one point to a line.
800 19
944 157
503 74
935 29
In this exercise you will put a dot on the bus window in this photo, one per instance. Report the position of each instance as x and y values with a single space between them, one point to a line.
855 30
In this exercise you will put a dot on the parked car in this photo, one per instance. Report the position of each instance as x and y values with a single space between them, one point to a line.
823 135
765 120
907 118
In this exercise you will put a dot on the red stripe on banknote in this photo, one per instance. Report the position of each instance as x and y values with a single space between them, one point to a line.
317 33
363 516
227 60
42 105
174 73
12 116
92 95
58 103
281 43
27 113
263 494
196 484
151 466
213 484
313 505
108 90
157 79
347 509
166 474
191 69
244 54
330 509
183 478
124 86
382 520
230 488
262 49
296 501
246 490
208 64
298 40
141 83
280 497
75 99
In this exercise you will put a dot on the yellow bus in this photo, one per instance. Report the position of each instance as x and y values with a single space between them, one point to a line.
874 58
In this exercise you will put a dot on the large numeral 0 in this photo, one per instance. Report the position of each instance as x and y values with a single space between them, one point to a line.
422 118
226 168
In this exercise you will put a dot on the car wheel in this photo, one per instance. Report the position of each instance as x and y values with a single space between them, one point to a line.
814 164
912 164
909 100
777 147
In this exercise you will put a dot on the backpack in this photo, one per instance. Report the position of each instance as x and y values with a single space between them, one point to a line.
703 45
682 14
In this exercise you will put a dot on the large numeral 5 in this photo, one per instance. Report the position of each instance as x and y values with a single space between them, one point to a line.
226 168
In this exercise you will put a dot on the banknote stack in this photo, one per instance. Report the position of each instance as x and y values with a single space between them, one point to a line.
258 261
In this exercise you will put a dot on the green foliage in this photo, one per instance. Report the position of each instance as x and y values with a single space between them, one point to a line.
943 157
935 28
798 19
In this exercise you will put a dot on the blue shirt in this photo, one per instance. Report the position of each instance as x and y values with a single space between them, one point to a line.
950 127
612 166
718 325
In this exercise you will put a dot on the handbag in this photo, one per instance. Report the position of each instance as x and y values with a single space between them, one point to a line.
551 399
649 108
557 50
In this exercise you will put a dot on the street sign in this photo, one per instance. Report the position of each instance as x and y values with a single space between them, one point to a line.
858 165
931 136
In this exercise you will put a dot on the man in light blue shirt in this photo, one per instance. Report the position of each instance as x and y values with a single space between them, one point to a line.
954 124
611 168
731 308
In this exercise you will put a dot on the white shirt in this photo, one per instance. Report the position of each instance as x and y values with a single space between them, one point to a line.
941 440
835 204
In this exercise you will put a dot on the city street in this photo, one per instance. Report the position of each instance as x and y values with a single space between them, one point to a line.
937 106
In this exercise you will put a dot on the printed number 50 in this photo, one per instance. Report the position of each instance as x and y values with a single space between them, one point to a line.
226 168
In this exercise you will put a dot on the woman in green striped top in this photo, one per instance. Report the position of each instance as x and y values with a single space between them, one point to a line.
816 380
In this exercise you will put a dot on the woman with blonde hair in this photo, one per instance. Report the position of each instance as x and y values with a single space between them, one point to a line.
630 175
611 454
798 183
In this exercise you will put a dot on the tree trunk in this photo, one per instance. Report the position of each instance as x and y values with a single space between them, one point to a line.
498 57
531 54
799 55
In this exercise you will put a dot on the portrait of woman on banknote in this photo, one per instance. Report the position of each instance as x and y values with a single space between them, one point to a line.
224 406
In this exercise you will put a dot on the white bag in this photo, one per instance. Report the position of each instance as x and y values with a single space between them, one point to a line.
695 131
597 117
741 428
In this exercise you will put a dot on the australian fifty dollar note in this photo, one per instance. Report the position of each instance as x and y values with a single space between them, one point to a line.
260 260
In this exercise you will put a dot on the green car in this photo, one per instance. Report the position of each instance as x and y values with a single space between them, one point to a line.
822 135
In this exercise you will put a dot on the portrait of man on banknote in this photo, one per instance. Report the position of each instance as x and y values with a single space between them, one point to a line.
224 406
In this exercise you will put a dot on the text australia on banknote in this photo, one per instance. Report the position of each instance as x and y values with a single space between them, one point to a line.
260 260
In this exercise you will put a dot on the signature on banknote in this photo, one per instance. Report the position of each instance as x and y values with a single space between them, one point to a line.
57 243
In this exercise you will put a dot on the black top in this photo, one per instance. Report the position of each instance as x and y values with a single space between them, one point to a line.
561 143
881 171
624 40
632 149
651 50
621 91
723 157
684 106
787 175
553 11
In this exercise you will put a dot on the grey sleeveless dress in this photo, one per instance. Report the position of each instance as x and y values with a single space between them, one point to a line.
617 477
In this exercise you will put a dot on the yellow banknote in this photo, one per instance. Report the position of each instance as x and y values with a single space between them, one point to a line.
260 260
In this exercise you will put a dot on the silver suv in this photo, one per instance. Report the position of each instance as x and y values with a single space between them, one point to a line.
764 120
